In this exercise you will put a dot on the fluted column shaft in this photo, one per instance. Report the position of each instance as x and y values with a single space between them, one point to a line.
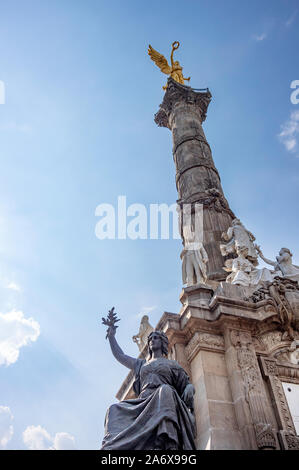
197 180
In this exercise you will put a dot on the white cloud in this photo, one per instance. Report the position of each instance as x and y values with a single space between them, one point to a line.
15 331
13 286
290 144
289 132
260 37
291 19
14 126
37 438
6 427
64 441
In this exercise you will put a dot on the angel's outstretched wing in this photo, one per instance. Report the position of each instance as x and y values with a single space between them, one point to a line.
159 60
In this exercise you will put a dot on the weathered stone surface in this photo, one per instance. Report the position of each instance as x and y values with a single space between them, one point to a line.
218 388
222 440
213 401
289 441
234 352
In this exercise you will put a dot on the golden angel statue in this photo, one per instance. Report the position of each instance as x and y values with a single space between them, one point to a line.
175 71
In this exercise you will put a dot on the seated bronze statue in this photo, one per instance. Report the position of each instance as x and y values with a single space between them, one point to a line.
161 418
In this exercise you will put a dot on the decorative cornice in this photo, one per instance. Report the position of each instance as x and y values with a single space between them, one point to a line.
269 367
288 373
204 340
167 320
227 305
177 93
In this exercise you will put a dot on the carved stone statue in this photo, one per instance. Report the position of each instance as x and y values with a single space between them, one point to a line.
161 417
237 236
195 258
283 265
243 272
240 268
285 294
144 331
175 71
278 291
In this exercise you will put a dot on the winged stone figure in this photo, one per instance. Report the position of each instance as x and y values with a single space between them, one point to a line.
175 70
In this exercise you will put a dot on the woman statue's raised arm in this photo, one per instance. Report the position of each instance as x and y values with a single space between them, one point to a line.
117 352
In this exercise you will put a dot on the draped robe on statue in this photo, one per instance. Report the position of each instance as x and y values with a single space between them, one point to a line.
157 415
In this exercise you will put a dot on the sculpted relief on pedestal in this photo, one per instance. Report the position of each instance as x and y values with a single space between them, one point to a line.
254 390
284 293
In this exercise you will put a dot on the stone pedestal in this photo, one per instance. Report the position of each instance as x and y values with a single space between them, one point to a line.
237 357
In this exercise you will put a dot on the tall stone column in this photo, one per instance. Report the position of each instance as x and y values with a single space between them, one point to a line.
197 180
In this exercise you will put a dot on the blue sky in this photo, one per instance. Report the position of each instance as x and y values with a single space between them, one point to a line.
77 130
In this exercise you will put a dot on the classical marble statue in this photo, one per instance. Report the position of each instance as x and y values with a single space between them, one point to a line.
277 291
175 71
161 417
243 272
283 265
240 269
195 258
145 329
237 236
284 292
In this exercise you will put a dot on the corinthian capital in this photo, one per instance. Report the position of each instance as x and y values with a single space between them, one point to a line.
177 93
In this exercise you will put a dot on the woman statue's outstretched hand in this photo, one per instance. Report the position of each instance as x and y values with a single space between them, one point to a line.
117 352
110 322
